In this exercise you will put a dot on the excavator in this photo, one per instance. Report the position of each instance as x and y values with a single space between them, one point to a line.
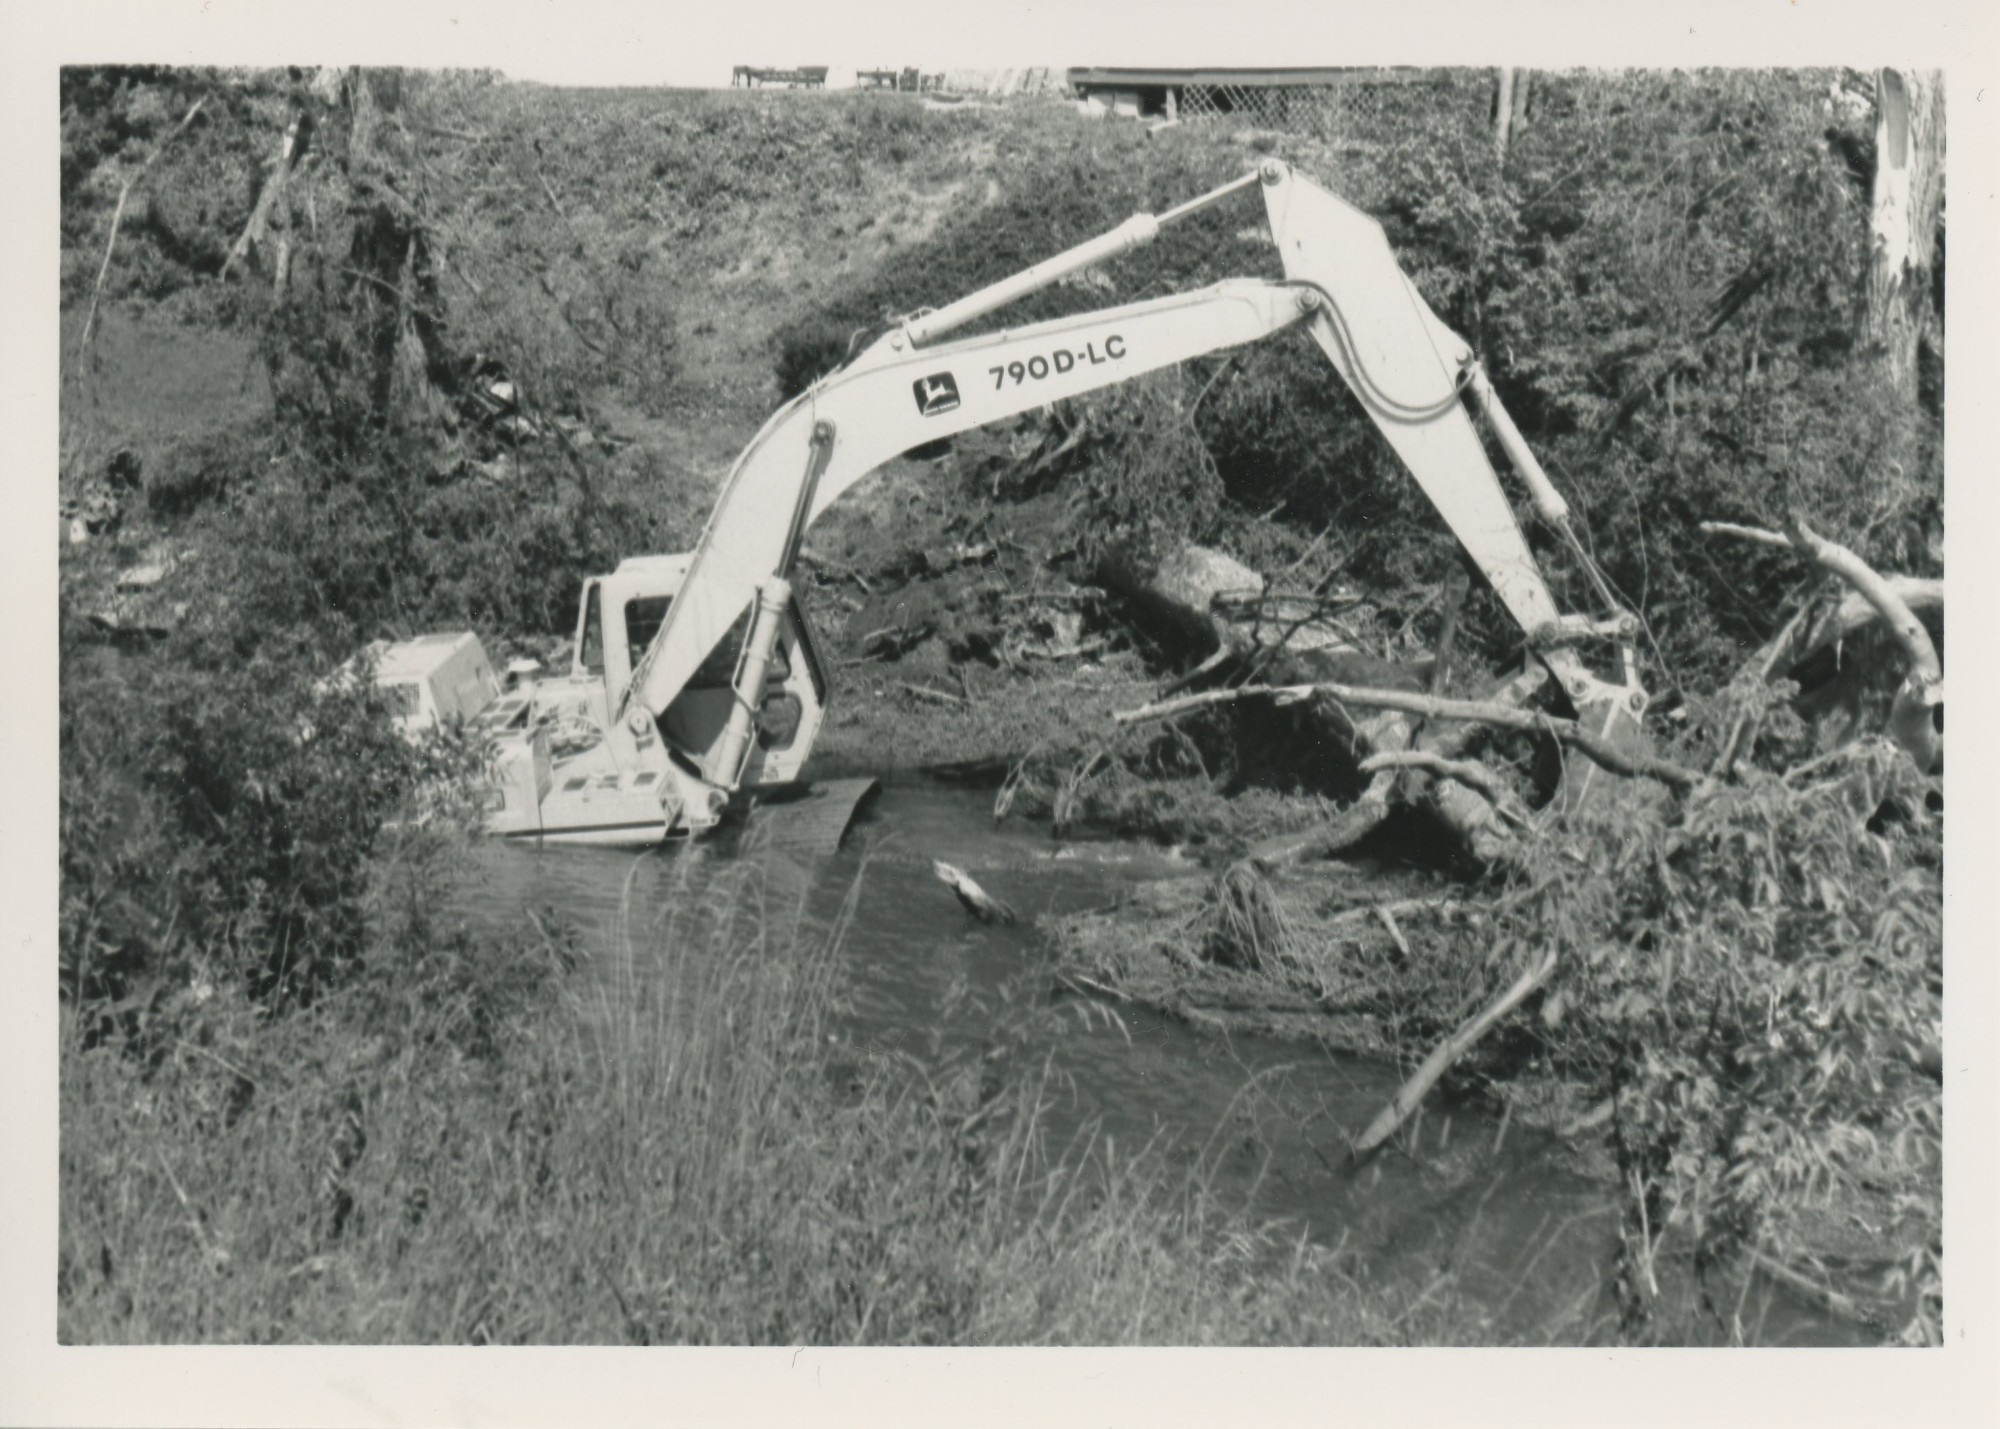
694 679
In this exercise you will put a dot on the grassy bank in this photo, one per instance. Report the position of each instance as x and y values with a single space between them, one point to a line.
495 1145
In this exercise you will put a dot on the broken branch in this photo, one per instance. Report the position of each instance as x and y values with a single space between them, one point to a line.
1746 533
1465 771
118 217
1411 1094
1910 718
1896 614
1601 751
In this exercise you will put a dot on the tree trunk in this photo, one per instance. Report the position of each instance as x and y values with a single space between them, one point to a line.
1903 220
1510 92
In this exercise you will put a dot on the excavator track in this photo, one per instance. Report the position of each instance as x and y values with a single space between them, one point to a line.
813 821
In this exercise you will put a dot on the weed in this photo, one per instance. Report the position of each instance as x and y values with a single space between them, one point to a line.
655 1151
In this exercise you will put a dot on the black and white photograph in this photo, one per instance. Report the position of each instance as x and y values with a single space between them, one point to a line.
1067 691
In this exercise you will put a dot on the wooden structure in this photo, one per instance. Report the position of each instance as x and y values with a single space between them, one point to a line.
907 80
1304 100
803 77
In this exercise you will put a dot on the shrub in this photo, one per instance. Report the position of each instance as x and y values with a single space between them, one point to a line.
217 827
1748 977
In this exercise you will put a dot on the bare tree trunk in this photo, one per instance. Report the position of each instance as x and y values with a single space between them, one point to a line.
1510 108
1503 114
1903 219
270 203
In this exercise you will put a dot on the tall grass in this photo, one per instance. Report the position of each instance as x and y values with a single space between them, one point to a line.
678 1147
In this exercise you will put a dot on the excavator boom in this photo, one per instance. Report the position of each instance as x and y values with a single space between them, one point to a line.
1410 372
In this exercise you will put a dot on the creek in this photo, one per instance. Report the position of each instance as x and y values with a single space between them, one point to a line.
1459 1200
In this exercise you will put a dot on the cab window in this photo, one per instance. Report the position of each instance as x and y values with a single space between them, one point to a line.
590 649
643 618
719 669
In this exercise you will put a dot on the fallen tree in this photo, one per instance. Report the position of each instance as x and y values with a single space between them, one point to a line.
1489 712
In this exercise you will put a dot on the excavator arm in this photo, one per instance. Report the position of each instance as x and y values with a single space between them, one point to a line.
1411 373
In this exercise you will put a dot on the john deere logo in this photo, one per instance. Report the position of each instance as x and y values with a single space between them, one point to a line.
936 394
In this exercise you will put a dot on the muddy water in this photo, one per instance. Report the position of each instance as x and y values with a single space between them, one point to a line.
1463 1201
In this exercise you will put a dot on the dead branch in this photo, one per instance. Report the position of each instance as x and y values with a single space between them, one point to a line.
977 901
1896 614
1343 831
1397 908
1824 623
1601 751
1467 772
1910 718
1825 1296
118 217
274 192
1746 533
1411 1094
931 692
1464 811
1394 929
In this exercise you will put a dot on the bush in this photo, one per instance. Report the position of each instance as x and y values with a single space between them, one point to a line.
218 825
1749 977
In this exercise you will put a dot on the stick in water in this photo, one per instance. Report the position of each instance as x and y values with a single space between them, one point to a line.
1412 1093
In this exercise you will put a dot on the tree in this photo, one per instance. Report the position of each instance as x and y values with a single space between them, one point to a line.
1906 203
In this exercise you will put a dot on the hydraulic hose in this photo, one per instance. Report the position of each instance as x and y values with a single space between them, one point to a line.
1366 386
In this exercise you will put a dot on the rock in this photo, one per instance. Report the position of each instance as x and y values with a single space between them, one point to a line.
1195 575
142 577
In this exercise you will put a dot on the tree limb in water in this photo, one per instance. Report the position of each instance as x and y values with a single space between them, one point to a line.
1411 1094
1568 731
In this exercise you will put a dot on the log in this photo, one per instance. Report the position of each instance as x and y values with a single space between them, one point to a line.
1467 813
1412 1093
1467 772
978 902
1823 624
1343 831
1902 622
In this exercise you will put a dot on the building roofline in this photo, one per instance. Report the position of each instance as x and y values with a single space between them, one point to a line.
1109 76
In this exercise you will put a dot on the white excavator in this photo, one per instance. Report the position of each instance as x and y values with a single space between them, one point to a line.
694 680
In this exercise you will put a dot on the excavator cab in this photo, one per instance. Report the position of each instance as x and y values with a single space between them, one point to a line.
619 617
